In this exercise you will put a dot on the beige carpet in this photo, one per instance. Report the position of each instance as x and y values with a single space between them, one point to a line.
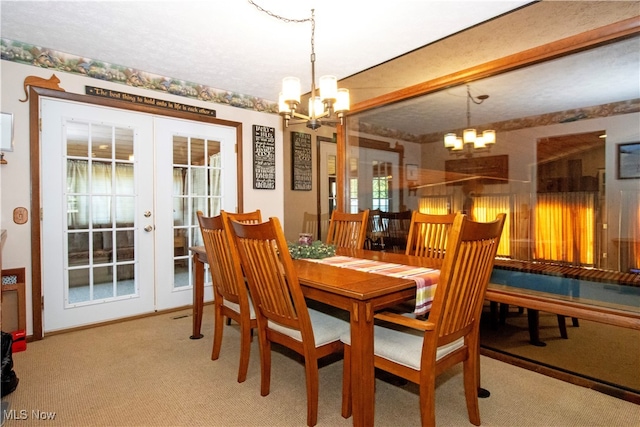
147 372
606 353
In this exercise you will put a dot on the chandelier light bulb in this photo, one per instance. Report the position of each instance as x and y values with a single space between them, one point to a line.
291 90
450 140
283 107
328 88
316 108
469 136
342 101
489 136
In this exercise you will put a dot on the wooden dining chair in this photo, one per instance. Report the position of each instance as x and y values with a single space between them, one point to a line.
231 296
427 238
395 230
419 350
428 235
282 313
254 217
373 241
348 230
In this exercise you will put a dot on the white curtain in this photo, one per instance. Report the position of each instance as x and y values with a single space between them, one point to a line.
629 238
215 176
565 227
486 208
203 190
96 203
436 205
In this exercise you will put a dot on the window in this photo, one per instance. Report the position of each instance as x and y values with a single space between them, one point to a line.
353 195
380 186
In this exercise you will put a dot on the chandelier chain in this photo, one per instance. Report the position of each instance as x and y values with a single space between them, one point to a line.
282 18
288 20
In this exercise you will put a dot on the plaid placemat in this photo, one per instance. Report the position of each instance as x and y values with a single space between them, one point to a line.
426 278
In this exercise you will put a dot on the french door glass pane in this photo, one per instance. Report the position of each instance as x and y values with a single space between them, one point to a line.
196 187
100 212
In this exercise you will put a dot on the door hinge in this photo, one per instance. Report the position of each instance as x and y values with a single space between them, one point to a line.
42 302
41 213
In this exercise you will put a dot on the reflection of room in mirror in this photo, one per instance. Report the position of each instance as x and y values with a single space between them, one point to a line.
558 122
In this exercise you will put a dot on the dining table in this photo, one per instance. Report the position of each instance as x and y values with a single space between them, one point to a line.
360 293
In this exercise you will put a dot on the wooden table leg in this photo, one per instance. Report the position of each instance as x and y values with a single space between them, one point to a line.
562 325
533 318
362 368
198 296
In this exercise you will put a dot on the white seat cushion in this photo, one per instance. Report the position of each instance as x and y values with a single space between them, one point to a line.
326 328
236 307
403 345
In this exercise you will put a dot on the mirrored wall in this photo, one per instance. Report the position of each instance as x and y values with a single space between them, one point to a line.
565 164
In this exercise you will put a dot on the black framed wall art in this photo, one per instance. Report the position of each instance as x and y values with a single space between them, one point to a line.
301 170
264 158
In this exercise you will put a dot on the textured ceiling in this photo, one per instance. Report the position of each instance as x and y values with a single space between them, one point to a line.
232 45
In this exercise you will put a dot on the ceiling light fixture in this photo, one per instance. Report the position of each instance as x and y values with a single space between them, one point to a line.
323 103
470 139
327 104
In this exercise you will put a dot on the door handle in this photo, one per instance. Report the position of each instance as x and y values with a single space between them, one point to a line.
148 228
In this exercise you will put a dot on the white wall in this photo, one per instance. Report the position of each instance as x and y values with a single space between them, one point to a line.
14 176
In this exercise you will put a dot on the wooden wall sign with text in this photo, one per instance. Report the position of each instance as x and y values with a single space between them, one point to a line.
264 158
489 170
145 100
301 177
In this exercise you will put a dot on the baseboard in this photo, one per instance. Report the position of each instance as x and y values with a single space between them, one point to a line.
615 390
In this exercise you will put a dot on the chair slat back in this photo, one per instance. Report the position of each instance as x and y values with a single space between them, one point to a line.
223 259
428 235
272 278
254 217
348 230
374 224
464 276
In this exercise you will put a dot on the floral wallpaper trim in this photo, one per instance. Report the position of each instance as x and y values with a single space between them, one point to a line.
37 56
596 111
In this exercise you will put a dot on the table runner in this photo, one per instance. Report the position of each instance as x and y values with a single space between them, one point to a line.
426 278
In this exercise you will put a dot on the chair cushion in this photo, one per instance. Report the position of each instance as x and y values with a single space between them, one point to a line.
236 307
326 328
403 345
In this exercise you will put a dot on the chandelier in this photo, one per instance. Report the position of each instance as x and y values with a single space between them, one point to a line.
470 139
326 105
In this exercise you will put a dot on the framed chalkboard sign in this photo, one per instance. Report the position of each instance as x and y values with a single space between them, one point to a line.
301 161
264 158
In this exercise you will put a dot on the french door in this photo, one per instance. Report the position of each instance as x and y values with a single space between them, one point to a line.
119 194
